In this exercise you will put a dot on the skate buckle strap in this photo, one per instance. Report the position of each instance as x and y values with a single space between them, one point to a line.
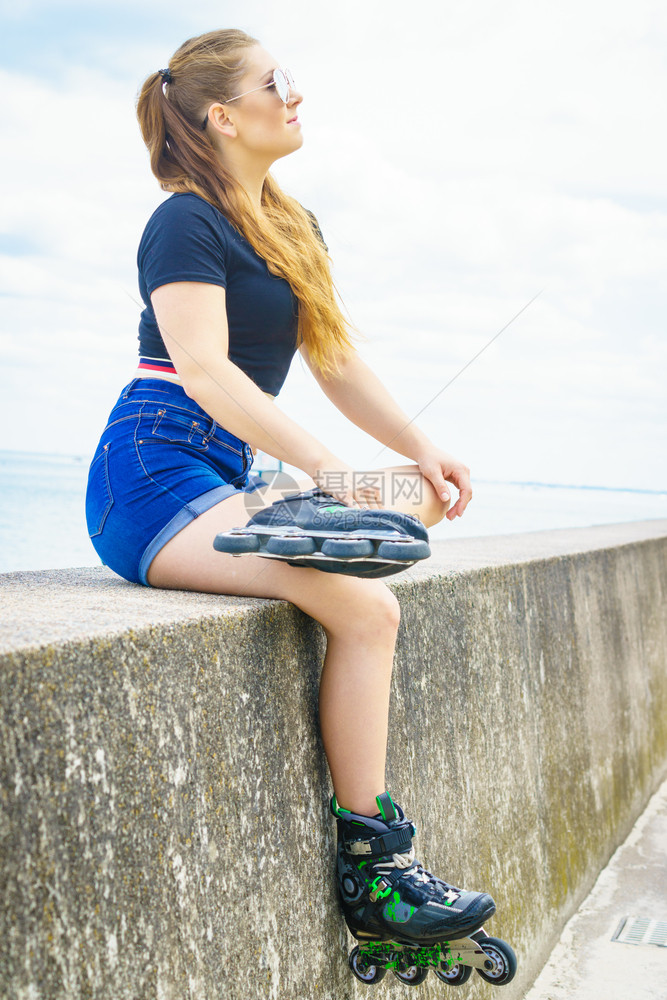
386 807
380 887
393 842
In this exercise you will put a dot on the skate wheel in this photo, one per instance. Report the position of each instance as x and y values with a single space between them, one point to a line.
237 543
455 975
347 548
365 973
412 976
501 965
404 550
282 545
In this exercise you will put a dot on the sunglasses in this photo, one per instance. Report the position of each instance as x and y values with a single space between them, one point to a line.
282 80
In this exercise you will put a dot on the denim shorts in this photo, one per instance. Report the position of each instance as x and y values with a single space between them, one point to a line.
161 462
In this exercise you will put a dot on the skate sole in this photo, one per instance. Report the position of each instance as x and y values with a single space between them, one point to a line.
452 934
372 548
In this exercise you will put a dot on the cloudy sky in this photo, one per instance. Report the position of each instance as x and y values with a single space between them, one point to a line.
461 159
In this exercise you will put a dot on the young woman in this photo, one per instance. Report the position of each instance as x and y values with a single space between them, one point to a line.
235 278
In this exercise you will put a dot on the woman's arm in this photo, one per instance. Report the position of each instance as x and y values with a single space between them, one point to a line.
363 399
193 322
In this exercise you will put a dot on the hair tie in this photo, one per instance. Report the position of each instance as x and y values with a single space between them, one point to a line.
166 75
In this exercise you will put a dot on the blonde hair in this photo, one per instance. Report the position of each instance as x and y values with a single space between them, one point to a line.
170 109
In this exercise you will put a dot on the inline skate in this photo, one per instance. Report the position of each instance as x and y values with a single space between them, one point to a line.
405 918
313 529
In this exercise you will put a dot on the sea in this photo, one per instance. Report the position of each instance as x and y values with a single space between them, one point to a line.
42 522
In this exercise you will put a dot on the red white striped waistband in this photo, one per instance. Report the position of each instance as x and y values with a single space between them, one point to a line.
156 368
163 368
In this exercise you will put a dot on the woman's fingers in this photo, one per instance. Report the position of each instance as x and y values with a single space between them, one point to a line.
441 469
369 497
461 479
440 486
460 505
343 488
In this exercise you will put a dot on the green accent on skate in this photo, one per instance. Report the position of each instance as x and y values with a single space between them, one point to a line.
390 954
397 910
381 894
434 954
447 958
338 809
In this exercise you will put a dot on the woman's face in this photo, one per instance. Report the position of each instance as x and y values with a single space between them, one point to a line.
264 125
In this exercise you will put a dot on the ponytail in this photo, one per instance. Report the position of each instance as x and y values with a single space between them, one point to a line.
171 106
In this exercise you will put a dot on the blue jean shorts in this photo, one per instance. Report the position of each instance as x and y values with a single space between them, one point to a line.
161 462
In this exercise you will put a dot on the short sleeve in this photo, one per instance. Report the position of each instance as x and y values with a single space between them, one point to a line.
183 241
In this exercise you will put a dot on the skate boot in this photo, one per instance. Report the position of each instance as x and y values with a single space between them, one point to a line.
406 919
386 894
313 529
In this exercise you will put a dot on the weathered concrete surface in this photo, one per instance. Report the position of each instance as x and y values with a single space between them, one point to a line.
587 962
164 831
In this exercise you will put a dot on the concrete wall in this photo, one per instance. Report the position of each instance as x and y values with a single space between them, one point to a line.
164 829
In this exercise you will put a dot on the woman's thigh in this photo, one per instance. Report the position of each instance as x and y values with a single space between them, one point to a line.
189 562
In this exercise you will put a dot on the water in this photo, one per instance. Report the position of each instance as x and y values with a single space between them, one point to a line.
42 520
42 523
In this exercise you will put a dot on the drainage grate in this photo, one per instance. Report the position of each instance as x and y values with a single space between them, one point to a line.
641 930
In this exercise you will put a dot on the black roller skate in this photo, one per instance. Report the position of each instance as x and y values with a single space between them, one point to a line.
313 529
406 919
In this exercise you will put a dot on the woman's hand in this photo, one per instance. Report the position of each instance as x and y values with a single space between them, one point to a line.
440 468
343 483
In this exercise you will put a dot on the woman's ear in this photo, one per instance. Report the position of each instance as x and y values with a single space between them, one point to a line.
219 120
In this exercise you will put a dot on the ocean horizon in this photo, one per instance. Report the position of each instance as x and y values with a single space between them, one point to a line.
42 520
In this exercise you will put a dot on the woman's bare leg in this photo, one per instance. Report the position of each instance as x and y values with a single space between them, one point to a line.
360 618
402 487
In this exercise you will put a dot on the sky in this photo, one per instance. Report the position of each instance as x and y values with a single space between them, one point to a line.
463 160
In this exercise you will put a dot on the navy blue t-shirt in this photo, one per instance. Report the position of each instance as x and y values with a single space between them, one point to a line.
188 239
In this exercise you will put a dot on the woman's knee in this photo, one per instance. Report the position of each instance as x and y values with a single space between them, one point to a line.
404 488
391 609
370 608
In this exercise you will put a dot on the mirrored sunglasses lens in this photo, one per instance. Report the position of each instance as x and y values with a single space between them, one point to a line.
283 84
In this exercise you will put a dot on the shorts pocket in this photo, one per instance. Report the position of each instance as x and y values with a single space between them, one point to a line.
179 427
99 498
